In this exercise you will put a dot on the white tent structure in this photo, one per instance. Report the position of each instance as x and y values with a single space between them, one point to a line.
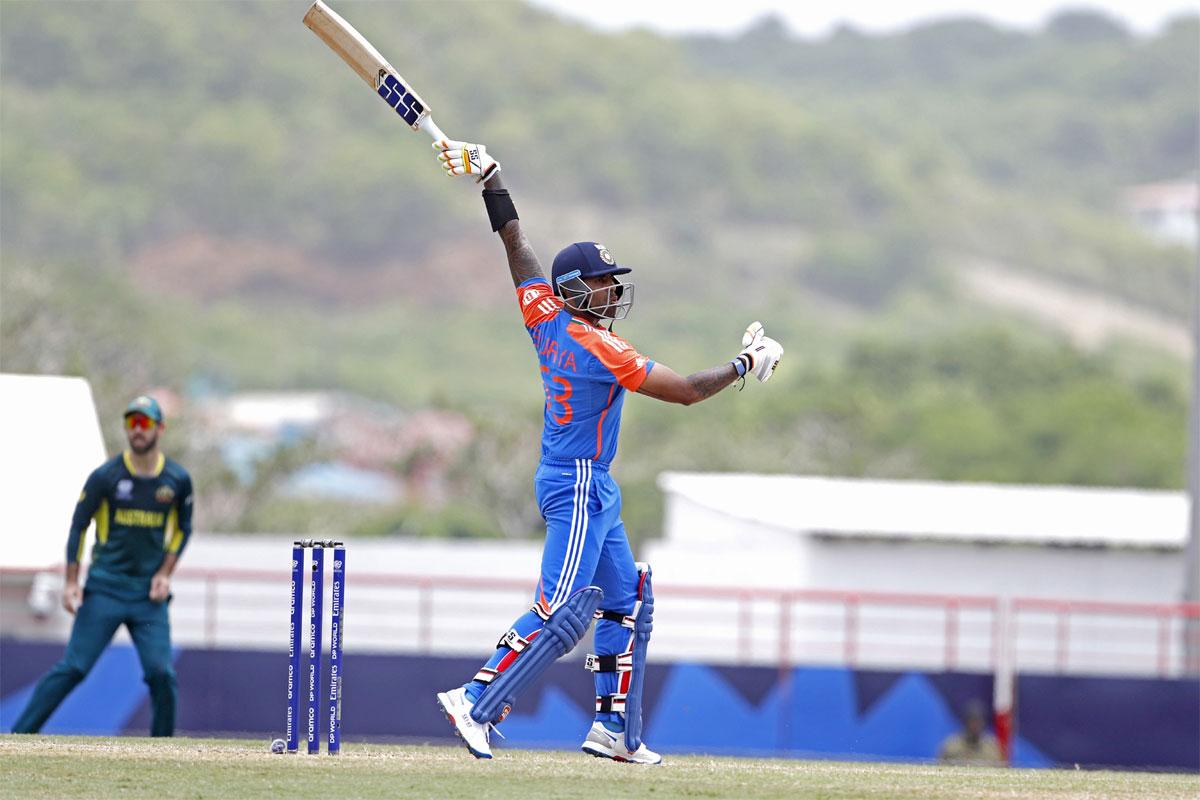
915 536
50 441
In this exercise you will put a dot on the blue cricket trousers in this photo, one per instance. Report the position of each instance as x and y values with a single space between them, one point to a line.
586 545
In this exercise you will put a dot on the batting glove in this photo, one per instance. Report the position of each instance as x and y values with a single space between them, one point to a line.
760 354
465 158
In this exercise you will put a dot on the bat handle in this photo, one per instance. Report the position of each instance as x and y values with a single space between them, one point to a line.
429 126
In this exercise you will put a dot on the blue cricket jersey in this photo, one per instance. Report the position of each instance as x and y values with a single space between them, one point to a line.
586 371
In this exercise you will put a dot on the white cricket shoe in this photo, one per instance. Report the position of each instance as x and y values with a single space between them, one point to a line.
457 707
603 743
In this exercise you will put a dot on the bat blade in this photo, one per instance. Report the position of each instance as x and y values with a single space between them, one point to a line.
371 66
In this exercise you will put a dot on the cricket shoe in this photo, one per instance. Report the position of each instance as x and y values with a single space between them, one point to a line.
603 743
457 707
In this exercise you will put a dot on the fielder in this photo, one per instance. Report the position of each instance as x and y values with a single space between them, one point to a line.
587 566
142 503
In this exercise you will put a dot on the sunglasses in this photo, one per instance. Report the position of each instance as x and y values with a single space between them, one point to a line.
139 422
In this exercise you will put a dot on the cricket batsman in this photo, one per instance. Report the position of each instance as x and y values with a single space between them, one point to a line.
142 503
587 569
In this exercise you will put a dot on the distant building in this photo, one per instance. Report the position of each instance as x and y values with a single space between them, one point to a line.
1168 210
339 481
364 450
267 414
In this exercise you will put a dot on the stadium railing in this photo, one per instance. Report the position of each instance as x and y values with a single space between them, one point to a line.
243 608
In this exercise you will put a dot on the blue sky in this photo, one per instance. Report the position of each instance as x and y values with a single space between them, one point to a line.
816 18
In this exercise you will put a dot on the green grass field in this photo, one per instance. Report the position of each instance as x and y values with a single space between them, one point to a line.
60 767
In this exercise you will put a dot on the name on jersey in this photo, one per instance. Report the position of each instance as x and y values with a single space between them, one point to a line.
137 518
548 350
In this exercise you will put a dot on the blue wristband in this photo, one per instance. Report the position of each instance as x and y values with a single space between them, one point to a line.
740 365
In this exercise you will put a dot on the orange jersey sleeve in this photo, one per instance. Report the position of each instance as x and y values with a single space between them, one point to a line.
617 355
538 302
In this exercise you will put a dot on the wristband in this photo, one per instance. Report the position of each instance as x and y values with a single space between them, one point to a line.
741 364
500 208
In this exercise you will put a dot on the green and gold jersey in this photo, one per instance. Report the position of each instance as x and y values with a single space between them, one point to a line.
139 518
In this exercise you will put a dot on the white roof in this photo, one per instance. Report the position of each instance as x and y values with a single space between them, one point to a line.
970 512
270 410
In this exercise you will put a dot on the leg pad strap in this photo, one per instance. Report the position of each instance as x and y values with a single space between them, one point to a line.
606 703
621 662
513 641
624 620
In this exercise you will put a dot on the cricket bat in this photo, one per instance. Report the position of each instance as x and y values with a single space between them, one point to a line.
364 59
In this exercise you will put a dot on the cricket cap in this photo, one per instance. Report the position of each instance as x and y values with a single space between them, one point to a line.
145 404
591 259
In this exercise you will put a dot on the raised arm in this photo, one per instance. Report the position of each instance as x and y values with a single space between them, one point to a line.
466 158
759 357
523 263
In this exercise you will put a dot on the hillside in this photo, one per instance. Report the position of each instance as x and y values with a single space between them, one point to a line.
185 133
202 194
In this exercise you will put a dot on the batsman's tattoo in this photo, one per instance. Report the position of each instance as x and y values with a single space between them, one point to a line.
523 263
710 381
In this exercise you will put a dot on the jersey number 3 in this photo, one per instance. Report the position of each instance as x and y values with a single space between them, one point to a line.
550 382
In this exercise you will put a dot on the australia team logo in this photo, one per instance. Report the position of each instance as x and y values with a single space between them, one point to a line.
164 494
124 489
